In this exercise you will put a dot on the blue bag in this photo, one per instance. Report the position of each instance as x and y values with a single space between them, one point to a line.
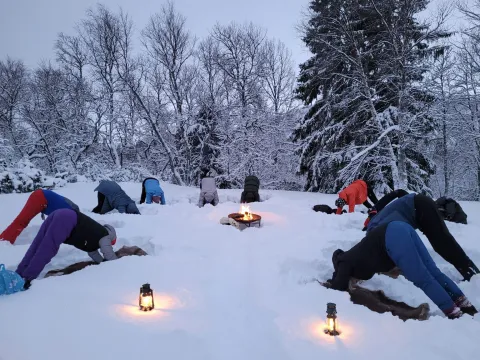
10 281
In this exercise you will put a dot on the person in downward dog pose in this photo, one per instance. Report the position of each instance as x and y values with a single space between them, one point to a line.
39 201
356 193
250 190
152 192
66 226
384 201
208 192
111 196
397 244
421 212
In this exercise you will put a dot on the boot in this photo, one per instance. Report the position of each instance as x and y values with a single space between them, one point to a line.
422 312
454 313
466 306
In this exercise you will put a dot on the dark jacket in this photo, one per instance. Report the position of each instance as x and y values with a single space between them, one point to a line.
86 234
387 199
362 261
451 210
250 190
402 209
110 196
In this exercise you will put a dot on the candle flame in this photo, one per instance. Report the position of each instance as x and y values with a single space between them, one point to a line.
146 302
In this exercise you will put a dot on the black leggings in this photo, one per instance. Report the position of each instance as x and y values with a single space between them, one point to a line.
431 223
372 197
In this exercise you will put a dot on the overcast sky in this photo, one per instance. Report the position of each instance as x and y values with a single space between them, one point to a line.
29 28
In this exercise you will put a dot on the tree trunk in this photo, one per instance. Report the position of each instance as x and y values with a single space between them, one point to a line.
445 156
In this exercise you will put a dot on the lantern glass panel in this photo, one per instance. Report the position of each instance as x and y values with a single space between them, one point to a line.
332 325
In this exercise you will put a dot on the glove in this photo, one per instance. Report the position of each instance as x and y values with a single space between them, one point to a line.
371 213
365 224
327 284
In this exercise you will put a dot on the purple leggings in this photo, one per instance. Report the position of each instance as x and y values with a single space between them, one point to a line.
53 232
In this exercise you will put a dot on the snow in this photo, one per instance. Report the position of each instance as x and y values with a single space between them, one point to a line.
221 293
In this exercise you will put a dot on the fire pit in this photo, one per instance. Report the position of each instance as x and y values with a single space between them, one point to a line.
246 217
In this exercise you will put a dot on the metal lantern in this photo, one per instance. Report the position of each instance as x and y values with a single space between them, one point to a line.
332 324
145 300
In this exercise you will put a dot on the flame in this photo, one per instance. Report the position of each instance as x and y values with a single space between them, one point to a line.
146 302
331 325
246 212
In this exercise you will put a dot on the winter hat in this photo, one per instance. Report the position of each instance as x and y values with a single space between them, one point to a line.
112 235
156 199
340 203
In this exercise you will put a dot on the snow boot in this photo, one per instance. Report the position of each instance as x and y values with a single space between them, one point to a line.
466 306
454 313
421 312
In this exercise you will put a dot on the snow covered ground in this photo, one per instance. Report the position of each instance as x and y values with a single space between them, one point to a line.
221 293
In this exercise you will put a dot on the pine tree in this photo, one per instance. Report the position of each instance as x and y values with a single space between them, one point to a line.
207 142
366 115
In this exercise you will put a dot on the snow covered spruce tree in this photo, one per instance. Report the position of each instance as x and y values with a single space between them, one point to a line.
368 110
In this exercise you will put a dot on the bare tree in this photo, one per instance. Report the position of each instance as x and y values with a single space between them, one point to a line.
442 84
240 58
278 75
212 78
102 35
13 82
145 86
169 43
72 54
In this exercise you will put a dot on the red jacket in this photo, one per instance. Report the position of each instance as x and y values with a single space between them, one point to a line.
354 194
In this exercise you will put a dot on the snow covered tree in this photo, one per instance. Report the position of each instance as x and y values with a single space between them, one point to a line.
442 83
278 75
174 109
102 33
13 84
367 112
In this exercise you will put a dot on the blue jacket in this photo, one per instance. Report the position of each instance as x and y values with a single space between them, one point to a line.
56 202
402 209
152 188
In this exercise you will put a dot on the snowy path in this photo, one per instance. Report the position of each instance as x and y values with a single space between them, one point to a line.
221 293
